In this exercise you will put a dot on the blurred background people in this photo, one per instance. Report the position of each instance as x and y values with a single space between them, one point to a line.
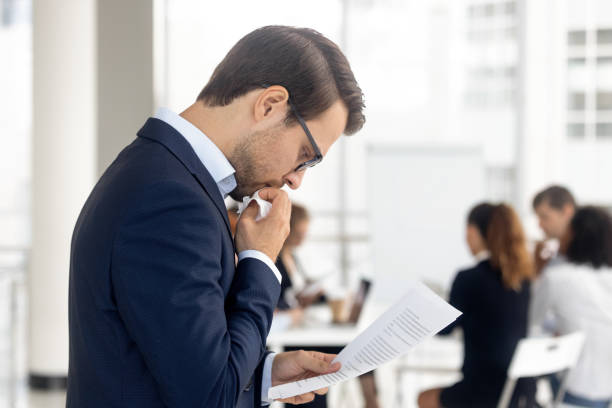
554 207
578 293
494 297
299 292
289 310
295 279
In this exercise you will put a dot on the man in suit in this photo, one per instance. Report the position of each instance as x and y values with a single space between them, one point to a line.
162 313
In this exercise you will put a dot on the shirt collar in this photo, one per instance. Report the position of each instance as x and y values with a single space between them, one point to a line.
482 255
209 154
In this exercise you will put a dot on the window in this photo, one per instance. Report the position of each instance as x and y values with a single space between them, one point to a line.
15 122
604 130
575 130
576 37
604 36
575 101
604 100
589 81
510 8
15 125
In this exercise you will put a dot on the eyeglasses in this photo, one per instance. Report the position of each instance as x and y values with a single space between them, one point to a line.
318 156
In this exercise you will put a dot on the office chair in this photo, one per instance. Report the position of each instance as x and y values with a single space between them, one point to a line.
534 357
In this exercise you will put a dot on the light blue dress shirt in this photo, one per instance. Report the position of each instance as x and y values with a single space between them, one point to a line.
222 172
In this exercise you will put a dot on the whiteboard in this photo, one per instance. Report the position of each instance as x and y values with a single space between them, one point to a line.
418 199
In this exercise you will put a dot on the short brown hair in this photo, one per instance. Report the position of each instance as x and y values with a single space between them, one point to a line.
311 67
556 196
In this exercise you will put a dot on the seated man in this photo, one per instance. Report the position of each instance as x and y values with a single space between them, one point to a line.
578 293
555 207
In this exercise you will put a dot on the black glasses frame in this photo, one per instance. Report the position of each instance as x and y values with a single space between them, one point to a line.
318 156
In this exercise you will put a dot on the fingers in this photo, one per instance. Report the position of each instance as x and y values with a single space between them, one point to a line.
267 235
251 211
317 362
299 399
304 398
270 193
328 358
325 357
274 195
321 391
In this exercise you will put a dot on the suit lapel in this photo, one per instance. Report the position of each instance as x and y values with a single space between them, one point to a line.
161 132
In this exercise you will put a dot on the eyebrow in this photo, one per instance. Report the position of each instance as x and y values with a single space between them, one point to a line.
308 148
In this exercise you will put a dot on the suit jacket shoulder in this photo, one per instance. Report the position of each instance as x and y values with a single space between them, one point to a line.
159 313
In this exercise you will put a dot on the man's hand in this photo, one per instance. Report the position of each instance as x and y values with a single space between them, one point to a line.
266 235
298 365
542 257
307 300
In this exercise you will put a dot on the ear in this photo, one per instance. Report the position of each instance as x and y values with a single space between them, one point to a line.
271 102
568 210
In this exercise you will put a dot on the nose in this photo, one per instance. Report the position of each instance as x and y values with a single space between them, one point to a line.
294 179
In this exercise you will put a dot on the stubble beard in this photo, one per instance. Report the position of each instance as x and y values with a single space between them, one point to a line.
250 169
244 164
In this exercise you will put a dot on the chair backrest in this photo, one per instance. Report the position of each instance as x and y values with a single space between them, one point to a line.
539 356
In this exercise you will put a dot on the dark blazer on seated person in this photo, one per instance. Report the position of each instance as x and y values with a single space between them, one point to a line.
160 315
494 319
286 285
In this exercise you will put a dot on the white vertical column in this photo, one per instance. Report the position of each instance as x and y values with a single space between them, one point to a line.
64 161
93 90
541 103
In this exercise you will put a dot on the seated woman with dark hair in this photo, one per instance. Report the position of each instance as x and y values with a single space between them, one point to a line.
494 297
578 294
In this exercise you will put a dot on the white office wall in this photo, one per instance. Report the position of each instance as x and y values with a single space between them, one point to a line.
419 214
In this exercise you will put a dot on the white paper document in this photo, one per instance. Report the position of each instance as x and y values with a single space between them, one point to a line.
419 314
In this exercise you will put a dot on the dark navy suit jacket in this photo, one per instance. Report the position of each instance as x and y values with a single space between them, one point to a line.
160 315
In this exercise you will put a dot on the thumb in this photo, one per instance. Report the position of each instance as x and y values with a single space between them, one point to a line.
269 193
251 211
